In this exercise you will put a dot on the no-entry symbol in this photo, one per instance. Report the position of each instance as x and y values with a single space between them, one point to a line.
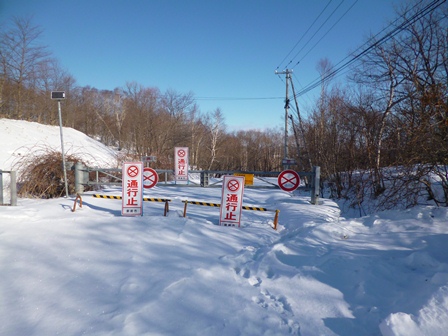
132 171
288 180
233 185
150 178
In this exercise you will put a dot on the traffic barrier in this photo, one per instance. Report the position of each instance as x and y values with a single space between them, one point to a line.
244 207
145 199
217 205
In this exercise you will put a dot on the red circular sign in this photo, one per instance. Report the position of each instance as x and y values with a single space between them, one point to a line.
181 153
233 185
132 171
150 178
288 180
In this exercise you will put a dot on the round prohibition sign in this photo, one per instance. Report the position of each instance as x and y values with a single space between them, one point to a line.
150 178
233 185
181 153
132 171
288 180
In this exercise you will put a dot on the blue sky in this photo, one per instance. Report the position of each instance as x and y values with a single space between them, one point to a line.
225 49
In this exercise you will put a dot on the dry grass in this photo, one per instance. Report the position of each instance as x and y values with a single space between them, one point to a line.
41 174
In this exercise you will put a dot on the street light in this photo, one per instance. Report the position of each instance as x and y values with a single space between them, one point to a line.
60 95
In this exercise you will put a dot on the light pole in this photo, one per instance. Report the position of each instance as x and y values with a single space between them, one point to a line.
60 95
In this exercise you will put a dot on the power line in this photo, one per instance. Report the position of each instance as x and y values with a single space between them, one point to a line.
340 18
237 98
303 35
320 27
432 6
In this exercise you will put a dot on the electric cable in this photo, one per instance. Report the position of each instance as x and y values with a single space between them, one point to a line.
237 98
432 6
340 18
320 27
303 35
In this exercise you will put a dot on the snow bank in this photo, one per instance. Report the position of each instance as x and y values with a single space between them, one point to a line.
430 320
19 138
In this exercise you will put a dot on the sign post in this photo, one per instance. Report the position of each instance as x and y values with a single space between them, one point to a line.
132 194
181 163
288 180
231 200
60 95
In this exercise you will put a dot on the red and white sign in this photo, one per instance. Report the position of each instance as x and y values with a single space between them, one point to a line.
150 178
231 200
288 180
181 163
132 195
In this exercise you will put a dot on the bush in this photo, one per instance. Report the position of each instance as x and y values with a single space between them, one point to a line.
41 174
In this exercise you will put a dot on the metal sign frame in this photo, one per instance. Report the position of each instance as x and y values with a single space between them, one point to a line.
132 193
181 163
231 200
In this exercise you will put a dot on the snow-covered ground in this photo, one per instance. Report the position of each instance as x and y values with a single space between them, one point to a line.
95 272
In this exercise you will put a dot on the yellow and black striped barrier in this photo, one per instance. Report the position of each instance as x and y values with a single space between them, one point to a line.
166 200
145 199
203 203
244 208
219 205
107 196
150 199
255 208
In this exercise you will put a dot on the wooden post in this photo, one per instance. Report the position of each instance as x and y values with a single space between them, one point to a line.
276 219
78 196
185 208
166 208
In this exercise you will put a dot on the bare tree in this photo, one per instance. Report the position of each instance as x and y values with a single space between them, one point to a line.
21 55
216 129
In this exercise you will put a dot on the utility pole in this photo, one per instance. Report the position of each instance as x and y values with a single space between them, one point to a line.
288 73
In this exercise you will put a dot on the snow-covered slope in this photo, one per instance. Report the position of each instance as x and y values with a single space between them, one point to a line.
19 137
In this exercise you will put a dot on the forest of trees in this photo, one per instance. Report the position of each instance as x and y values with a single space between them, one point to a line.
390 111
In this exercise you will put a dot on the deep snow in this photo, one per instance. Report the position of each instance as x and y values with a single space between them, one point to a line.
95 272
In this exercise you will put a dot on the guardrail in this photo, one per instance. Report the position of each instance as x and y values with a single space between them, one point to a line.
82 177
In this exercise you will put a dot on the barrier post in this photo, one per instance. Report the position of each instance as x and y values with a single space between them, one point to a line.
1 187
166 208
13 188
185 209
315 185
276 219
79 188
